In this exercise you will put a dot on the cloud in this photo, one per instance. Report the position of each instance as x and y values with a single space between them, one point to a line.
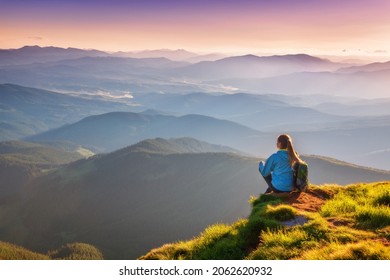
36 38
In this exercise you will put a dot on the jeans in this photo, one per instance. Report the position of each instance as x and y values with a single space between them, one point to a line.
271 188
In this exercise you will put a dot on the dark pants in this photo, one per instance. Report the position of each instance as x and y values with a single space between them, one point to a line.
271 188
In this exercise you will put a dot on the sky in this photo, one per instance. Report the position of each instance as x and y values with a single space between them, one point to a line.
334 27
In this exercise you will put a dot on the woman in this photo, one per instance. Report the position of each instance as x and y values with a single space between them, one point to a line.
277 169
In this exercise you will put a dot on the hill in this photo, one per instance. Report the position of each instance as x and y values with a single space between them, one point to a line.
26 111
95 72
328 222
111 131
251 66
22 161
372 67
365 84
262 112
177 55
42 154
137 198
74 251
178 146
36 54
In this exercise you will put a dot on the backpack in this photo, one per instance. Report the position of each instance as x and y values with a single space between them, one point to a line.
301 180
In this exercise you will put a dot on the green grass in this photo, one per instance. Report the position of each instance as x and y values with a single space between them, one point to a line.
40 156
12 252
354 223
367 204
223 241
362 250
74 251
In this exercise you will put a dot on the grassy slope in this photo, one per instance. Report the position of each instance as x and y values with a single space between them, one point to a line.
334 222
21 161
74 251
38 154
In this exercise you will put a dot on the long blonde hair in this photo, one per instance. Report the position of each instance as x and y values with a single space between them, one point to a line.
286 143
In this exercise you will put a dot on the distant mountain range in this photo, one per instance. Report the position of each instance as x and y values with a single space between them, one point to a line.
116 130
142 196
349 140
27 111
149 71
356 84
36 54
176 55
165 71
249 123
178 146
261 112
251 66
372 67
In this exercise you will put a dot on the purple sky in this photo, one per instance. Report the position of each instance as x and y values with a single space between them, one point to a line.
333 27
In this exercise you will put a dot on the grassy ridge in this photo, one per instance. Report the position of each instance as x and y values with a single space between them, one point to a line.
40 154
352 222
74 251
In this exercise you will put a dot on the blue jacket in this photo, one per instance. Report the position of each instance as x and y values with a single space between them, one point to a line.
279 166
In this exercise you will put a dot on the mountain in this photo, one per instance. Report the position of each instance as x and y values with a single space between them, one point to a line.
368 107
206 57
350 140
176 55
325 223
108 132
75 251
93 73
36 54
127 202
261 112
20 162
251 66
359 84
372 67
353 144
27 111
179 146
99 74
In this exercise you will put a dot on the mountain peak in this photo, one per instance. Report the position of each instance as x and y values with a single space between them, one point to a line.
181 145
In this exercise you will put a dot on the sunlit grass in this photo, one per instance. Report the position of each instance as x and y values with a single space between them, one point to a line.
366 203
363 250
76 251
354 223
12 252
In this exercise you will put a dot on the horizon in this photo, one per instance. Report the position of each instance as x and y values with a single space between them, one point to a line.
352 29
346 58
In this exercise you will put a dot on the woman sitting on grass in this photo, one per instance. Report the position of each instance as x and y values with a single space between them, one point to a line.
277 169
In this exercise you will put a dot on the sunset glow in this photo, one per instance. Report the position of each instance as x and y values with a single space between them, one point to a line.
327 27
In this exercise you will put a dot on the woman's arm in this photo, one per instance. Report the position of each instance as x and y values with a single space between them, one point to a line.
266 167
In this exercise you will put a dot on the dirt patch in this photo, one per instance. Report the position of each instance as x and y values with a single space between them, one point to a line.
335 222
384 241
310 201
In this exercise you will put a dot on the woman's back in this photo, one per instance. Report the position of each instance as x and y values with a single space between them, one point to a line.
277 169
282 173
